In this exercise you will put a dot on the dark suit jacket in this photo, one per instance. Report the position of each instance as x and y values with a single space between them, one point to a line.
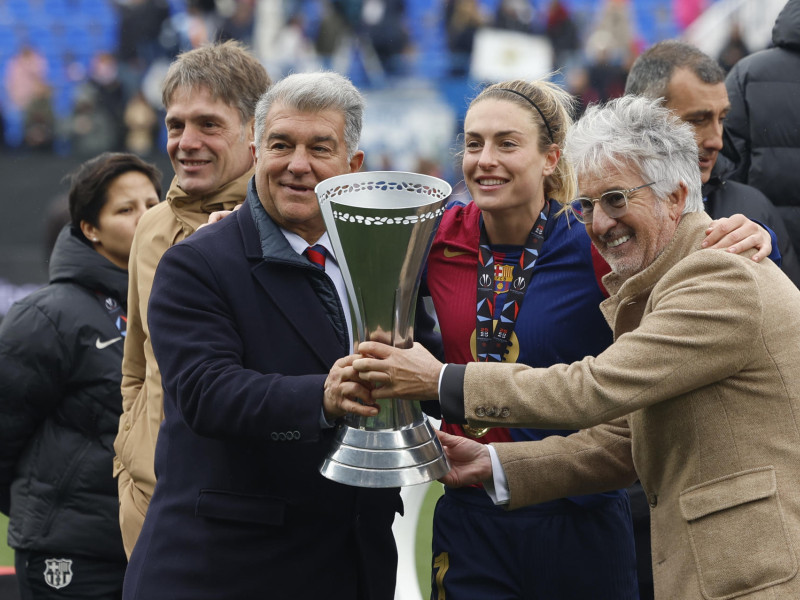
242 330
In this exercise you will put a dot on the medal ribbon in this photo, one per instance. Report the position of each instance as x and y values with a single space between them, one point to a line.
491 342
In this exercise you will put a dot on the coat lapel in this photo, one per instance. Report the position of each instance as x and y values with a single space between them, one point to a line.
290 290
285 279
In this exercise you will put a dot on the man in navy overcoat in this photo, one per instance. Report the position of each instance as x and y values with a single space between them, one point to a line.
246 331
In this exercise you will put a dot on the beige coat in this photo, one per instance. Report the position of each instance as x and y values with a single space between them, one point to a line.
705 369
142 401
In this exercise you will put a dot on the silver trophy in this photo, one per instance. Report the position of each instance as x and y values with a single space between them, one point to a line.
381 225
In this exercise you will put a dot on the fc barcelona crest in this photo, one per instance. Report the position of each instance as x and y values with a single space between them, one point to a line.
57 572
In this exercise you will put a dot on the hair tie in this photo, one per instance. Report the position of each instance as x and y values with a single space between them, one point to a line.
533 104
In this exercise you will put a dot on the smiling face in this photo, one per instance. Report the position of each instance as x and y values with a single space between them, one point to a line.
127 198
207 142
631 243
503 166
704 106
298 150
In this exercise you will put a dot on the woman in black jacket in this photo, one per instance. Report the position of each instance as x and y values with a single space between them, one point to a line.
60 355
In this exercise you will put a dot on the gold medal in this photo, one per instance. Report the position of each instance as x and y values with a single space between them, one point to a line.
476 432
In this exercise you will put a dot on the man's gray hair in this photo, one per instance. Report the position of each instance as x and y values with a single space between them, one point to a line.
315 92
639 133
652 71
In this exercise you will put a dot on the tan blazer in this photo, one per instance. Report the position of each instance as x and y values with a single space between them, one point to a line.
142 399
705 370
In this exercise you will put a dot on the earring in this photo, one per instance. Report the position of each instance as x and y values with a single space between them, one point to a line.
94 239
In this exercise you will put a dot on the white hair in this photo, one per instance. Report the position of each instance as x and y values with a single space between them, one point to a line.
639 133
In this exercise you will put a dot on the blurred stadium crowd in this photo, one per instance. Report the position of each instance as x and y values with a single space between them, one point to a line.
83 76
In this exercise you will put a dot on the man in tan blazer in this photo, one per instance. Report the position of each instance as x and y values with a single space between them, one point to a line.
699 394
210 94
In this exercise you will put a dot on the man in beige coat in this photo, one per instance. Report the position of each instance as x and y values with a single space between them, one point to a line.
699 394
210 94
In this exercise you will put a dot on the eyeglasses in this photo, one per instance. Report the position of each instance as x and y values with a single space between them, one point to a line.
614 202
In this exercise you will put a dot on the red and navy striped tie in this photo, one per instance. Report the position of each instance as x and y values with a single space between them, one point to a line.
316 254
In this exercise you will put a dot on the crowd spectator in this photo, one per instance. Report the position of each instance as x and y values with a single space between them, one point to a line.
238 22
30 99
143 37
734 49
332 33
141 124
292 49
516 15
99 123
384 27
562 31
614 33
463 19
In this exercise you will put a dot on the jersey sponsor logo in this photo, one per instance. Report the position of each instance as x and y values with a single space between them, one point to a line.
448 253
106 343
57 572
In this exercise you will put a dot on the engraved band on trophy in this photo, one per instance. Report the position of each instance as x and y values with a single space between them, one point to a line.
381 225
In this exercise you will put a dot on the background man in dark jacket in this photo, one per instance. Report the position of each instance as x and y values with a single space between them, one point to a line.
693 87
762 133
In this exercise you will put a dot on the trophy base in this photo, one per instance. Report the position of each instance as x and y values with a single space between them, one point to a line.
386 458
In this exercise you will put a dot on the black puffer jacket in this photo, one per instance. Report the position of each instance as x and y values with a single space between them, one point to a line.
725 198
763 127
60 356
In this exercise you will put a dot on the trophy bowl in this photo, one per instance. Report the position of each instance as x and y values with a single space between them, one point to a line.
381 225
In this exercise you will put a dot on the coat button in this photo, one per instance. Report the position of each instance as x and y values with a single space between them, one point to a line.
480 412
282 436
653 500
504 412
274 436
296 435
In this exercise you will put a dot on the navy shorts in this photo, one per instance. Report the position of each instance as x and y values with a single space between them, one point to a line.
554 551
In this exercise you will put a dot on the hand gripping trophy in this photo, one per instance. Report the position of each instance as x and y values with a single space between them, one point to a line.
381 225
